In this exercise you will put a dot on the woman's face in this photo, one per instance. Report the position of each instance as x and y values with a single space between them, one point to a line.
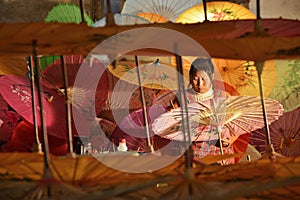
201 82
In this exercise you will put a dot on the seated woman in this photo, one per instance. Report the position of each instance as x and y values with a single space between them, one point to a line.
201 79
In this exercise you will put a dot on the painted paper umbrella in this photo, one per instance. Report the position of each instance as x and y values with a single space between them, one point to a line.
236 115
216 11
168 9
17 93
284 133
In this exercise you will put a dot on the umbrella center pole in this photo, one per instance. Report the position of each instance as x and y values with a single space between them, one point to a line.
149 147
269 147
37 146
39 88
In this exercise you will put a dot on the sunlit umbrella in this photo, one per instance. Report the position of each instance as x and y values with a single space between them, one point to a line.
216 11
243 77
237 115
284 134
154 75
168 9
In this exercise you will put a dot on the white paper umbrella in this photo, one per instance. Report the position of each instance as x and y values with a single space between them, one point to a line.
170 9
237 115
123 19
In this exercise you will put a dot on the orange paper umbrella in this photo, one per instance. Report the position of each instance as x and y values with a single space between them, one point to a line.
216 11
152 17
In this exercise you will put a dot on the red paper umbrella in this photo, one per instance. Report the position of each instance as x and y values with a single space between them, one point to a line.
9 119
284 133
53 77
17 93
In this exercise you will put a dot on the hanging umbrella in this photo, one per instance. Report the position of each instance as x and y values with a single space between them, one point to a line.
17 93
52 73
284 135
237 115
67 13
123 19
243 77
216 11
287 84
168 9
152 17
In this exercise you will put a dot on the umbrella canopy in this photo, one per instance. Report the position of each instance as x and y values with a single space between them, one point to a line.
242 75
216 11
154 75
284 134
53 78
168 9
17 93
237 115
132 128
67 13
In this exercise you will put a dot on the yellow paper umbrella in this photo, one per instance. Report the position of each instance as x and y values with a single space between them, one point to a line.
243 77
216 11
155 75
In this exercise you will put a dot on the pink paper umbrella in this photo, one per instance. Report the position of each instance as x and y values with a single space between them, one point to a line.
284 133
17 92
132 128
53 76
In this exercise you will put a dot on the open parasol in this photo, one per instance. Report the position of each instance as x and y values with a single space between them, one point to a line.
237 114
132 128
17 93
215 11
168 9
53 78
284 135
67 13
243 77
154 75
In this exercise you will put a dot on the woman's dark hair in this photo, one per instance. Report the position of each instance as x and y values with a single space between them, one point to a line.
202 64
